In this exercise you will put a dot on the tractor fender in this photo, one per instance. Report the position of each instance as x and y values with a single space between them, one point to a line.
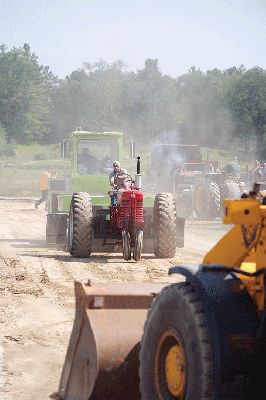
232 319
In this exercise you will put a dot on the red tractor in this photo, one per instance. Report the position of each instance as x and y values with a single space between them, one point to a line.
155 227
127 215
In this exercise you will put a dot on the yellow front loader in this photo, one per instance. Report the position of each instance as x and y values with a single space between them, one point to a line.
200 339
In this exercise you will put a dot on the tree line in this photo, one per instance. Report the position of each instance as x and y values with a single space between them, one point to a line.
208 109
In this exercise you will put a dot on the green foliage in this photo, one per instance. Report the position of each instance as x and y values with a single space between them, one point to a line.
8 150
19 175
247 101
39 156
210 109
2 136
24 95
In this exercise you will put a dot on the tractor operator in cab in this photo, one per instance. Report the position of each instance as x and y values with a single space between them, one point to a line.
116 179
87 163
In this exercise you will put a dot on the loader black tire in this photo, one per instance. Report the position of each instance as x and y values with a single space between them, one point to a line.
176 338
164 225
207 200
80 225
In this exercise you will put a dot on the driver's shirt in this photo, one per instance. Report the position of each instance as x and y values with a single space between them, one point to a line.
115 180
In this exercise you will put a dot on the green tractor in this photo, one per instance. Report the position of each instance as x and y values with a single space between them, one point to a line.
79 205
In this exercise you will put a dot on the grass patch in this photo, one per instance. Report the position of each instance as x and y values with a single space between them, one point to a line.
19 174
19 182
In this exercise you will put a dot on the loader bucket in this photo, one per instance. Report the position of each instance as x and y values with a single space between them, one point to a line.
102 356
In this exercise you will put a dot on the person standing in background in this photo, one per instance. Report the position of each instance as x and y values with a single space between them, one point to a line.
242 190
44 185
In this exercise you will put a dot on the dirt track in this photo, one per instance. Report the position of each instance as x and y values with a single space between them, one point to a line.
36 292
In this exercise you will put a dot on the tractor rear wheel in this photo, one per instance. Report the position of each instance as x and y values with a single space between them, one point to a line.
80 225
230 190
207 200
176 353
138 245
126 246
164 225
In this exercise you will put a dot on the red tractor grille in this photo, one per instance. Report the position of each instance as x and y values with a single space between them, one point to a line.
139 211
131 209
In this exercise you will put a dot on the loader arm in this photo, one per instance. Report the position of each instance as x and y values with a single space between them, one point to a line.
248 238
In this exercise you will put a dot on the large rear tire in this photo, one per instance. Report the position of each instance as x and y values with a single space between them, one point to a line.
176 353
230 190
164 224
80 225
207 200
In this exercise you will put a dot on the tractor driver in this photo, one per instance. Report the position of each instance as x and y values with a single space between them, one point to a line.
116 179
118 175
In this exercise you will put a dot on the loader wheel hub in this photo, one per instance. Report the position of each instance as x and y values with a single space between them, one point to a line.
175 371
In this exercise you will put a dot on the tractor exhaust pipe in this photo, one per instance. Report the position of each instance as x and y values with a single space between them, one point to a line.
137 184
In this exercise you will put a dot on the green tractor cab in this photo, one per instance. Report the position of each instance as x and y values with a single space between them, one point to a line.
89 157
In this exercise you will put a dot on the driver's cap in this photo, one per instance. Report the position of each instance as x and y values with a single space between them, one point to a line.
116 164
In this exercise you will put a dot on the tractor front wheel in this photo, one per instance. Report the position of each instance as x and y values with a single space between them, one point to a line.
126 246
176 353
138 245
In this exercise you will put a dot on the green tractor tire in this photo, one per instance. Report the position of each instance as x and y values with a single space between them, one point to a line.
80 225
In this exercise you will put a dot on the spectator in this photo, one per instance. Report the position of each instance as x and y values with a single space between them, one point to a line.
254 171
261 174
44 185
242 189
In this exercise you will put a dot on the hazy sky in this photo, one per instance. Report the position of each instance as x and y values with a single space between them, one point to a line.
179 33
